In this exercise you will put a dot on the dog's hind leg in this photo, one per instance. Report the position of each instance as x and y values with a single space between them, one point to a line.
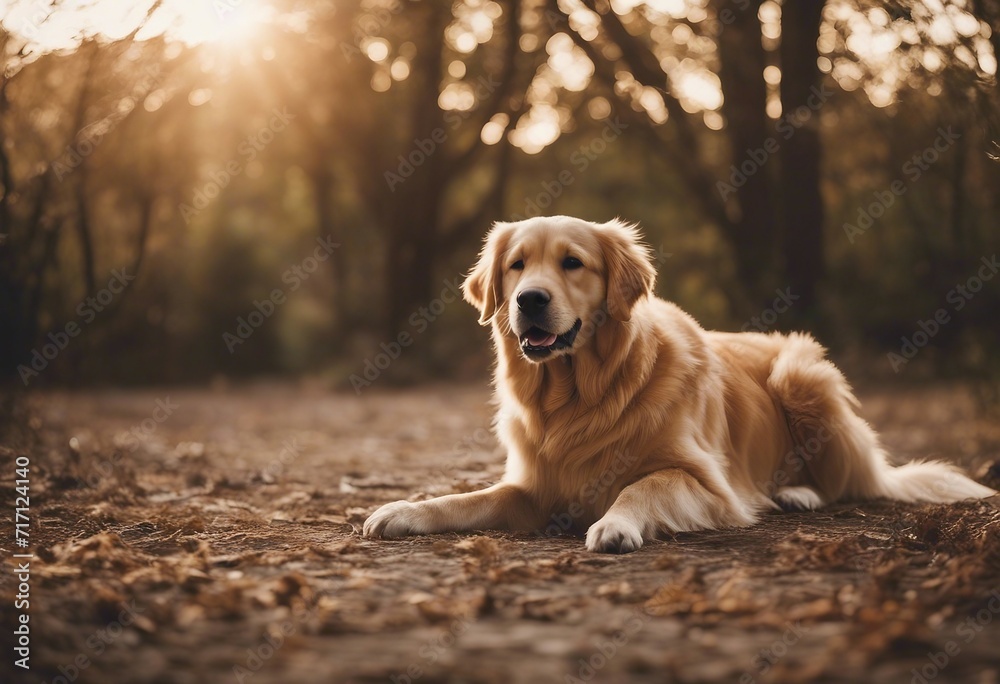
798 498
840 450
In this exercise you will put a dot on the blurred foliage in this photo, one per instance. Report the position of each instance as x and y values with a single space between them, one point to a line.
209 162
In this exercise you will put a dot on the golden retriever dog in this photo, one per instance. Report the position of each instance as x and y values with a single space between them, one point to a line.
621 416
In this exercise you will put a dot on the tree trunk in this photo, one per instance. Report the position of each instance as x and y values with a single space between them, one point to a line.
413 212
327 227
800 154
755 219
412 257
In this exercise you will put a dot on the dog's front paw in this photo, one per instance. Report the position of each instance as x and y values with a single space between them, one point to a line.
396 519
614 534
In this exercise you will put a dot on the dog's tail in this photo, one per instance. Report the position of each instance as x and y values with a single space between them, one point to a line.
842 452
930 481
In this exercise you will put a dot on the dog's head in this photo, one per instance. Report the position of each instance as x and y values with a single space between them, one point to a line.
543 279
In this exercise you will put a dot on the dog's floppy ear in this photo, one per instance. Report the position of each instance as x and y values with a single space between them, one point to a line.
629 273
483 288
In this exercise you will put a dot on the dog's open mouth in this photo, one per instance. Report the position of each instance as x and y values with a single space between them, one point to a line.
538 343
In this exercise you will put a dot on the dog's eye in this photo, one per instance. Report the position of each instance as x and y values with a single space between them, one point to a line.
517 265
572 263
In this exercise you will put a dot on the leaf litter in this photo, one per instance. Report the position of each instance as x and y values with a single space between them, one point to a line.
215 558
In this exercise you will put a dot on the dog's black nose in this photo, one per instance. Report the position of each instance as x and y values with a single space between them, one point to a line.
533 302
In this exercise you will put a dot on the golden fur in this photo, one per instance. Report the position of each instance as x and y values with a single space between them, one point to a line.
645 423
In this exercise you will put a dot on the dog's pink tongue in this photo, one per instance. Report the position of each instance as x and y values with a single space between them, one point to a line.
540 339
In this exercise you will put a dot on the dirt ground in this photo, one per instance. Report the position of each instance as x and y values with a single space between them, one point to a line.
213 536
